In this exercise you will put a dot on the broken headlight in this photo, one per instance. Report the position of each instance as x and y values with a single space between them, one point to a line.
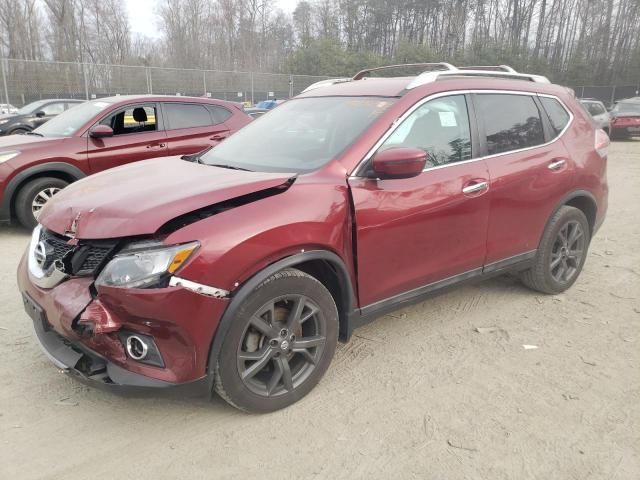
142 265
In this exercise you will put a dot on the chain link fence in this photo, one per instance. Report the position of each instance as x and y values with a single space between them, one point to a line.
608 94
24 81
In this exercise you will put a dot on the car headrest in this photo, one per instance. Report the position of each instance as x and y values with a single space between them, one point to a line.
139 114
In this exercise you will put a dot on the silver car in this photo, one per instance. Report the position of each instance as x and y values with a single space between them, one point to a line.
598 112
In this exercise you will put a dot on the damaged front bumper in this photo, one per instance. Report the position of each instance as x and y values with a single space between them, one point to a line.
82 332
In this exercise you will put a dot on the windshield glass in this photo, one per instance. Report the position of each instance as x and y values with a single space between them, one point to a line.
68 123
31 107
300 135
627 107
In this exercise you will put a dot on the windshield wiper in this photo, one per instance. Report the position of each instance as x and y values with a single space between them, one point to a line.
230 167
34 133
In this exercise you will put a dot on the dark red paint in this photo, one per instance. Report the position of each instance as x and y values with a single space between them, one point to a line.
393 235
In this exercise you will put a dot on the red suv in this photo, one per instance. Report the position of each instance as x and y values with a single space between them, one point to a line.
102 134
237 271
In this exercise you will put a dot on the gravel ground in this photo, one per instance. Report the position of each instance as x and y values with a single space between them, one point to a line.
418 394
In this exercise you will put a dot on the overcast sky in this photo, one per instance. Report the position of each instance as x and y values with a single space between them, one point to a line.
142 17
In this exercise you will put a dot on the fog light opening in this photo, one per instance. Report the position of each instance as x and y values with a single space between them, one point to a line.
137 348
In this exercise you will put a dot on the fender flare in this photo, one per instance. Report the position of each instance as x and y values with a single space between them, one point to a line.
250 285
48 167
566 199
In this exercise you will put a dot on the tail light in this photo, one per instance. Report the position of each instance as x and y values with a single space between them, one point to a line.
602 143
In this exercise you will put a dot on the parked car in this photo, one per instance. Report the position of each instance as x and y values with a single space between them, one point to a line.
101 134
34 114
262 107
7 108
625 118
598 113
237 271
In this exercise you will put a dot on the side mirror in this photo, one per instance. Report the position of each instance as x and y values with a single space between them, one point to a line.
101 131
399 162
40 114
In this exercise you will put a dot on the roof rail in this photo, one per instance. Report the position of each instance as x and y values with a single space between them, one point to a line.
429 77
504 68
363 73
326 83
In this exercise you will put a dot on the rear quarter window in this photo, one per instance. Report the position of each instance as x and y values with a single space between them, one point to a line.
557 114
219 114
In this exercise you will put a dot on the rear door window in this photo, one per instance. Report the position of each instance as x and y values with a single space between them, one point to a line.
511 122
440 127
558 115
182 115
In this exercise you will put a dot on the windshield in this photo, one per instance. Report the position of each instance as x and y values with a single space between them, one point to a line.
300 135
31 107
627 107
68 123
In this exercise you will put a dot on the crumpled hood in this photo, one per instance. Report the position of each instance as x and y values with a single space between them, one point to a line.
137 199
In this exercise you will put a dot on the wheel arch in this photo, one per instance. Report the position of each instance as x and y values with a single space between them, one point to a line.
62 170
586 203
325 266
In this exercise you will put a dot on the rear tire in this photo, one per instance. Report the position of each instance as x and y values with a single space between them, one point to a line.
279 345
561 253
33 196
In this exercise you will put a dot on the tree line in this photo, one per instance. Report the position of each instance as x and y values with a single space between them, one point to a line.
571 41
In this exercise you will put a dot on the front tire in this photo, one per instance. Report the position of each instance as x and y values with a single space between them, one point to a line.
33 196
279 345
561 253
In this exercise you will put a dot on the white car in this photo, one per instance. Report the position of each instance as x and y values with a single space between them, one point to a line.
598 112
7 108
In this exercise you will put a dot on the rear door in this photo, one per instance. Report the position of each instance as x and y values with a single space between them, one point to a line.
416 231
137 135
529 166
192 127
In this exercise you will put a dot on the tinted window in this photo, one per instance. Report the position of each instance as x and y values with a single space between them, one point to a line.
440 127
556 113
180 115
134 119
53 109
219 114
511 122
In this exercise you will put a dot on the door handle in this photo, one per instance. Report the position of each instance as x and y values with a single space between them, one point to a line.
218 137
475 187
557 164
157 145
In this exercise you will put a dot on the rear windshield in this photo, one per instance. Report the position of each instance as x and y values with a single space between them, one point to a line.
68 123
301 135
627 107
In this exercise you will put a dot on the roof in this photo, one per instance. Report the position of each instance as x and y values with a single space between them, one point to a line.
164 98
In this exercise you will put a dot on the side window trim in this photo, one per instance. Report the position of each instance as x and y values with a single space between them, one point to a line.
360 169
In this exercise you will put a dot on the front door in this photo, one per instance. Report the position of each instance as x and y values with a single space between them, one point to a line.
417 231
137 135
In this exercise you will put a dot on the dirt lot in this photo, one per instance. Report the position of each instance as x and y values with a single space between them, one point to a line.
417 394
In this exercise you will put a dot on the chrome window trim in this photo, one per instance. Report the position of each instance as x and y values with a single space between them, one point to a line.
396 123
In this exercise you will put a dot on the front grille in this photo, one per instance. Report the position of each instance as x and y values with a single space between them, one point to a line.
83 259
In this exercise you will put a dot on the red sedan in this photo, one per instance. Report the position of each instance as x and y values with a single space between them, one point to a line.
102 134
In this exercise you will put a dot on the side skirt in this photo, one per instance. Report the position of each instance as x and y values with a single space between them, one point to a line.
369 313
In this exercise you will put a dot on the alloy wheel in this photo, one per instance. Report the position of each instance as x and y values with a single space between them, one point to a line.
567 252
281 346
41 198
